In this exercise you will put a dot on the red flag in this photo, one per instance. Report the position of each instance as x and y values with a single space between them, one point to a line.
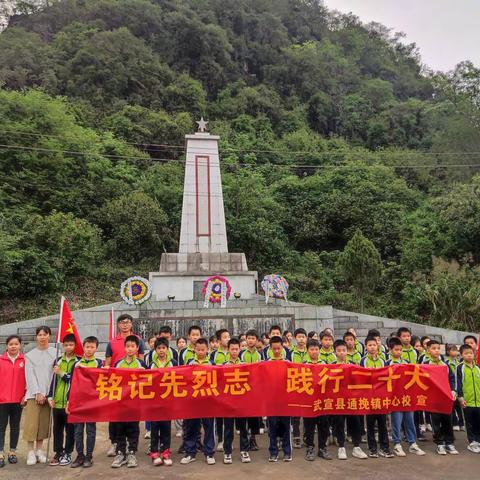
67 325
111 327
478 351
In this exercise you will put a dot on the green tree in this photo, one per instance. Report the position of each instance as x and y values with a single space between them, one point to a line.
361 266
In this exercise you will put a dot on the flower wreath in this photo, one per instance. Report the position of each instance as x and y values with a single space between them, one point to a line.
275 286
216 293
135 290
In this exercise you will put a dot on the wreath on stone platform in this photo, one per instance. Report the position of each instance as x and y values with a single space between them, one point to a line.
216 289
275 286
135 290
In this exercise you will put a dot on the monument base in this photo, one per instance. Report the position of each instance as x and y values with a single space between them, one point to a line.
182 275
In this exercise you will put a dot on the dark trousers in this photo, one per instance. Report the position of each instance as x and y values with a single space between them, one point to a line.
381 421
254 425
112 436
353 427
10 414
323 431
127 432
296 427
457 414
472 419
61 427
442 428
91 430
279 427
219 429
191 427
229 427
161 435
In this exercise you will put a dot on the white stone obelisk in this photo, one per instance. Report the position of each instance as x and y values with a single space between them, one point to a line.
203 227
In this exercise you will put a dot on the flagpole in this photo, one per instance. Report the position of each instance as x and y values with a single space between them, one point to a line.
50 413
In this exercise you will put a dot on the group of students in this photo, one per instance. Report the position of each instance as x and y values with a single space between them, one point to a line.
39 381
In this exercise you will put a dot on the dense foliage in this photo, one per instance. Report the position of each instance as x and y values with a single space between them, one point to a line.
347 166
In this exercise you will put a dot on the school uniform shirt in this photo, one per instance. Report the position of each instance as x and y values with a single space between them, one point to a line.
395 361
84 363
267 355
157 363
285 354
238 361
468 384
135 363
309 361
251 356
172 354
12 373
360 348
336 362
354 357
116 348
369 362
219 357
66 366
327 356
297 356
409 354
185 355
383 352
196 361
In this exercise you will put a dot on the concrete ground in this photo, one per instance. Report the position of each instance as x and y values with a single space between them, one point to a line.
464 466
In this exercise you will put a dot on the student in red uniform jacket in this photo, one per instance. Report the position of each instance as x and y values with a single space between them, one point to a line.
12 394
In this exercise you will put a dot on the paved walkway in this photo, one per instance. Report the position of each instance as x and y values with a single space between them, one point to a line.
464 466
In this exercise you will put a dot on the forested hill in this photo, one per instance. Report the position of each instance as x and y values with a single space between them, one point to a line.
329 127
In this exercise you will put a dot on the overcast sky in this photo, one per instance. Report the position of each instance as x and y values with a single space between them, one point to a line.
446 31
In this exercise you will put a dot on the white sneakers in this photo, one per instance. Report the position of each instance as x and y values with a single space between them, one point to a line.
187 459
112 450
342 453
245 456
398 450
474 447
451 450
41 456
31 458
210 460
220 447
441 450
227 459
416 450
357 452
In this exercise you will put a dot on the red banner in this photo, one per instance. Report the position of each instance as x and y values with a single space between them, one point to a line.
254 390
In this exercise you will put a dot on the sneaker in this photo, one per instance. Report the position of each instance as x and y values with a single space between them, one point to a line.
310 455
456 428
474 447
415 449
112 450
12 458
179 434
148 434
423 428
261 431
88 461
41 457
65 459
322 453
452 450
373 454
210 460
78 462
131 460
297 442
287 457
220 447
253 445
273 458
342 453
441 450
55 460
187 459
245 457
167 461
156 458
31 458
429 428
357 452
119 461
227 459
462 428
398 450
386 453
